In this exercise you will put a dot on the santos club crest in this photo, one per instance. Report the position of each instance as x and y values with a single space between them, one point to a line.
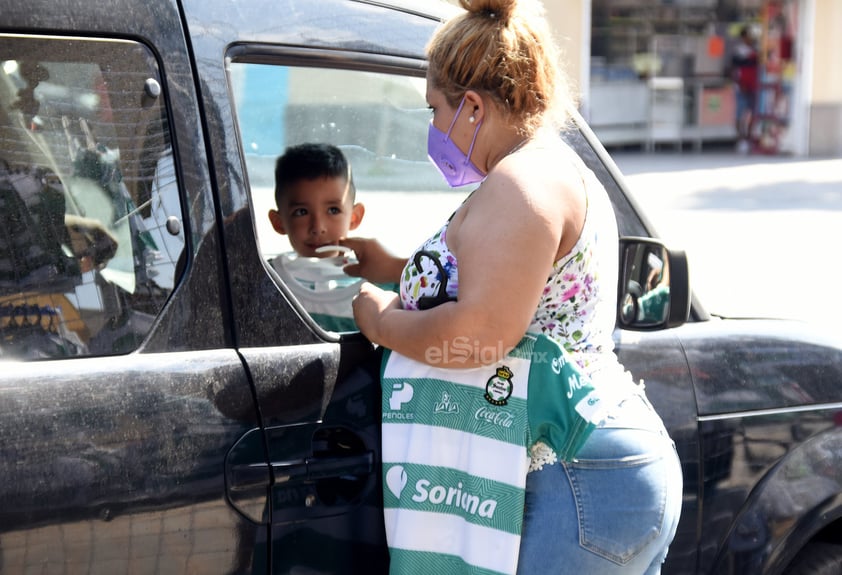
499 387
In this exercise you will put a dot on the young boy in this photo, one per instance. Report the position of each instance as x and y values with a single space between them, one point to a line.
316 207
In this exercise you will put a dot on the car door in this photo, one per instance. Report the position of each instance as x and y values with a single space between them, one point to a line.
348 74
121 393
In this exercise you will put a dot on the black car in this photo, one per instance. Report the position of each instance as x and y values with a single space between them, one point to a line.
167 405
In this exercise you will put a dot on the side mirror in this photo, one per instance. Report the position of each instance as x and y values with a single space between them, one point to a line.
654 288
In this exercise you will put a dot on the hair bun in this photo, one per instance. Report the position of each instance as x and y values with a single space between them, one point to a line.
501 10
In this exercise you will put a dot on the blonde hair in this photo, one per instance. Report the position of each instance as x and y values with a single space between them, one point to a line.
502 49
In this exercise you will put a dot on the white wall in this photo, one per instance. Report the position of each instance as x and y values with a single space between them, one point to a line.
825 99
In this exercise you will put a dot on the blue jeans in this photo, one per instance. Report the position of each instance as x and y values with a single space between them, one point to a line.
614 509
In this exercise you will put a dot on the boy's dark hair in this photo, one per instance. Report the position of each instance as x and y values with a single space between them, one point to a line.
309 162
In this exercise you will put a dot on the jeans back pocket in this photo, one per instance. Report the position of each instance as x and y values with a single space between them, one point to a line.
620 502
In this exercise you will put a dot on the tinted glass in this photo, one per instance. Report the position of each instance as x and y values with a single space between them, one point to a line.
89 205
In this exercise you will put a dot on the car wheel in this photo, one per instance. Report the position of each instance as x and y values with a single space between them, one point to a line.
817 559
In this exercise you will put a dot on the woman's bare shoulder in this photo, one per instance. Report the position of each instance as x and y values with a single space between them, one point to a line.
535 177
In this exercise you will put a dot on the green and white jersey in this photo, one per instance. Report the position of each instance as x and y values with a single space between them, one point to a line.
456 448
454 464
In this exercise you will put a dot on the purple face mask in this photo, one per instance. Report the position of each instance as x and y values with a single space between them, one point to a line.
454 165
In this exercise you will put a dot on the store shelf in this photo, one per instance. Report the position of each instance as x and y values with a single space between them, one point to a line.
668 111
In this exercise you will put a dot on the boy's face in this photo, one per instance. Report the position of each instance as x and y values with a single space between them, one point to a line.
316 213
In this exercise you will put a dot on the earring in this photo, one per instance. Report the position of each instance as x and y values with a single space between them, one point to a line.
471 119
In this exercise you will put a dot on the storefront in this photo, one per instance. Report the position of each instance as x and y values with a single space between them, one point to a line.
661 72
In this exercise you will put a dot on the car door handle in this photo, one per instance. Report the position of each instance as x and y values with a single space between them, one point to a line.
243 477
314 468
248 476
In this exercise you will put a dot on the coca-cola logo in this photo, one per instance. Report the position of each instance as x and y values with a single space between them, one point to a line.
495 417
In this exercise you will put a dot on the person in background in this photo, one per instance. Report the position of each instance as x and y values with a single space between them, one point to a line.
744 66
316 205
532 249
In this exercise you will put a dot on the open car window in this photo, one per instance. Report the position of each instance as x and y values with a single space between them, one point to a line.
89 201
379 121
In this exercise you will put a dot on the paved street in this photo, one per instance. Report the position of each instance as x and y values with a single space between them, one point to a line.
763 234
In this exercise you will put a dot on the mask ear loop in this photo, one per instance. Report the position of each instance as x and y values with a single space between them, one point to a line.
473 141
476 131
456 115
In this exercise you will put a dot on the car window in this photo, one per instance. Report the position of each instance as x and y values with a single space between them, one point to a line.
379 121
89 203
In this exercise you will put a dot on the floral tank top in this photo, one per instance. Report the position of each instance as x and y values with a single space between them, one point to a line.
578 304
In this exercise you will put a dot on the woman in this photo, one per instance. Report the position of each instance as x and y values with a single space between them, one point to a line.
532 249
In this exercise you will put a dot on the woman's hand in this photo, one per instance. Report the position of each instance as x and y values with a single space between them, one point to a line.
370 306
375 262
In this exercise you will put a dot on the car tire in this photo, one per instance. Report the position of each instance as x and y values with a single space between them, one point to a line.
817 559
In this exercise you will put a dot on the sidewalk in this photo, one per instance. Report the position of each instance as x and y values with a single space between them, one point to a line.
763 233
719 180
637 162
